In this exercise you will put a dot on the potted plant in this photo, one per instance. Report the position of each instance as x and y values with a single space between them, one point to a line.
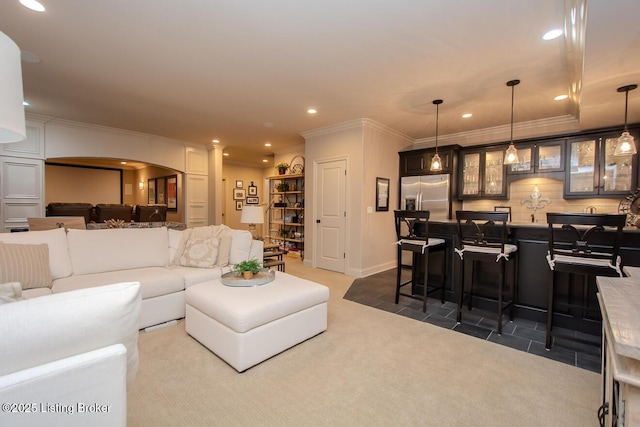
282 187
282 168
248 268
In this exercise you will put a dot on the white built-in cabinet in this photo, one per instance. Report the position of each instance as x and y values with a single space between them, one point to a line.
22 179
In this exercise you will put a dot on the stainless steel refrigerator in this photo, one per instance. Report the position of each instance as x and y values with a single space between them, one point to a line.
428 193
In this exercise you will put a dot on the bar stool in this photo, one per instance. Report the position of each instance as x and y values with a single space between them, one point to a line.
482 238
413 236
581 244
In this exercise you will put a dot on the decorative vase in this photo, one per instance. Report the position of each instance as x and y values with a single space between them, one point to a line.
282 171
247 274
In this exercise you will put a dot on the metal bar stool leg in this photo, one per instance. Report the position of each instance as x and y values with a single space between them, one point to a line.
550 309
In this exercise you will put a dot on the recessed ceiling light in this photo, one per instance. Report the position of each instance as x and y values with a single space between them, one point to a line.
265 161
560 97
553 34
267 144
123 163
225 154
312 111
215 141
25 103
33 5
466 115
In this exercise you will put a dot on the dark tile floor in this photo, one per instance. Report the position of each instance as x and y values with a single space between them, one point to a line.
379 291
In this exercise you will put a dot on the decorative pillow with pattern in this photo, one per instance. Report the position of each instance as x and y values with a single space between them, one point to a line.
10 292
26 264
201 253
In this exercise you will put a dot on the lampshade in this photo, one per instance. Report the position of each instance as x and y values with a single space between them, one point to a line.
436 162
12 125
626 144
511 155
252 215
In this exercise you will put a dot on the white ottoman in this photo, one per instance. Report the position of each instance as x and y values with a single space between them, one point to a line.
245 326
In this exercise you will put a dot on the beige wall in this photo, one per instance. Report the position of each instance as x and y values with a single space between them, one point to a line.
371 150
235 172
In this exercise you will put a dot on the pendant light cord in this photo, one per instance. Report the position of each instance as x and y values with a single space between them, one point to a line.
438 121
513 89
626 104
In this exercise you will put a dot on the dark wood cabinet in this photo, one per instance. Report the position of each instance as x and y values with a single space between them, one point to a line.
482 173
592 169
418 162
539 158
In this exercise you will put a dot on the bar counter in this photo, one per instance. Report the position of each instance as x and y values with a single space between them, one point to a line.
534 274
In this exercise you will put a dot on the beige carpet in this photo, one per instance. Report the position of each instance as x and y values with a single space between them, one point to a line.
370 368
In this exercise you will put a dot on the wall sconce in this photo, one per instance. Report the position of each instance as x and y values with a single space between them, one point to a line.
141 185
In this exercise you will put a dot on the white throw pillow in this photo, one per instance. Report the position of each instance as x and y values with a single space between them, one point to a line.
240 246
201 253
10 292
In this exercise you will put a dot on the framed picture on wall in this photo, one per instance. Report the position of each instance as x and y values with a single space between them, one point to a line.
238 205
172 193
239 183
152 191
382 194
239 194
160 191
253 200
253 190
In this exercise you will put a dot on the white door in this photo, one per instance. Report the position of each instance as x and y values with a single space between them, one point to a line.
331 215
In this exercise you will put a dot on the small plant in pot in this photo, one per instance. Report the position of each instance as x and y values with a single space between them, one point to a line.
282 168
248 268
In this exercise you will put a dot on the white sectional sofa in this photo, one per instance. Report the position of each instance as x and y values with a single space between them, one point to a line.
81 259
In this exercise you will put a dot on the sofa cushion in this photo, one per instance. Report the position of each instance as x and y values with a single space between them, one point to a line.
192 276
224 251
154 281
26 264
201 253
240 246
175 237
41 330
59 260
97 251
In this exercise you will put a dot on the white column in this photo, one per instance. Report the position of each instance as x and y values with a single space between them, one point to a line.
216 202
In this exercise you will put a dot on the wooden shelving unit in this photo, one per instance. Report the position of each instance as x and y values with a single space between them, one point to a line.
286 213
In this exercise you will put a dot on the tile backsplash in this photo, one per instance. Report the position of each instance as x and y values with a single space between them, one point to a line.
549 188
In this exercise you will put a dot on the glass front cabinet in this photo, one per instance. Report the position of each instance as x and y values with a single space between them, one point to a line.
483 174
593 170
539 157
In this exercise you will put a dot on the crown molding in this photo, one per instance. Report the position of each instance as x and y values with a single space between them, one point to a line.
536 128
356 124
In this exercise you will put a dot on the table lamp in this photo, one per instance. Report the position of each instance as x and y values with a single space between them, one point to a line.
252 215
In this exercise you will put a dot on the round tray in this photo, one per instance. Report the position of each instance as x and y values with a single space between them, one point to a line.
235 279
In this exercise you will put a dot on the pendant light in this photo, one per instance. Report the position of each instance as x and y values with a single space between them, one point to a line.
626 145
436 163
511 155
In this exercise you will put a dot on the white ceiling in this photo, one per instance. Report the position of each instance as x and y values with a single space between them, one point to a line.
245 72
